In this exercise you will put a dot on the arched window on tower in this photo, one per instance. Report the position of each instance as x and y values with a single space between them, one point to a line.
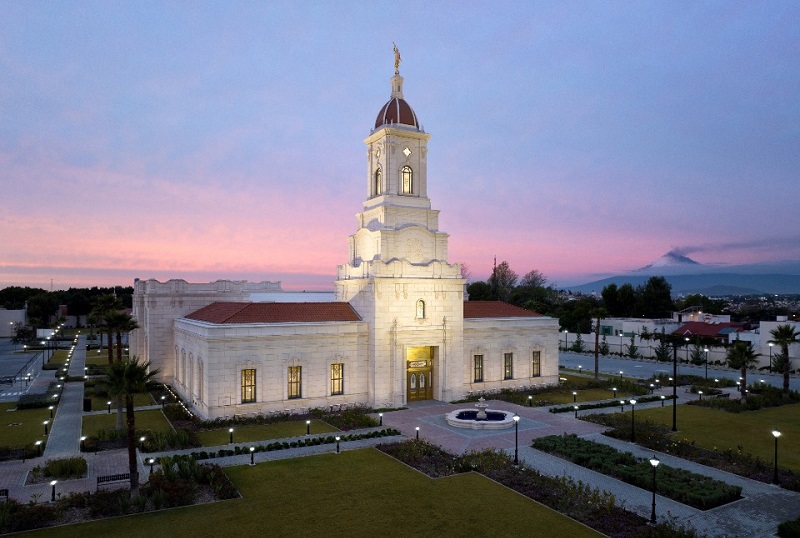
420 309
406 180
377 188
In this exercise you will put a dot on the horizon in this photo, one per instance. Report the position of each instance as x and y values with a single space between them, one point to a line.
583 140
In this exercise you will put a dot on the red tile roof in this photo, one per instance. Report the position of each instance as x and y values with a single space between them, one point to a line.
226 313
701 328
495 309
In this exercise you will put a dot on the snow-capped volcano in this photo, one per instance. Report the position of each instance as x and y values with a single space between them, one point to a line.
671 259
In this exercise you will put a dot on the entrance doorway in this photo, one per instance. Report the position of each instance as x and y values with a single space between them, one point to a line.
419 373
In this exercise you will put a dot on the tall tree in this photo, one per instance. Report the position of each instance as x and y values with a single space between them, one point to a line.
610 300
124 380
104 305
784 336
742 356
655 298
502 281
597 314
534 279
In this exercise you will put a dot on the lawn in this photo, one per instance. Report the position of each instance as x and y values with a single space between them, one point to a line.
719 430
100 403
30 426
585 395
246 434
145 420
355 493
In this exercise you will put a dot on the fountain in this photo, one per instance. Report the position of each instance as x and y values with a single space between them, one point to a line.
481 418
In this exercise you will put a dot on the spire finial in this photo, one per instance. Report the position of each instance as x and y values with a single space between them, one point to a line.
397 59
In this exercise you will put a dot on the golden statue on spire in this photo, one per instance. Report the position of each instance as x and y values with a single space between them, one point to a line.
396 59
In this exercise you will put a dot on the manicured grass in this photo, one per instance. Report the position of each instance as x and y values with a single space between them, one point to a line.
718 430
59 357
145 420
355 493
93 358
30 429
100 403
585 395
245 434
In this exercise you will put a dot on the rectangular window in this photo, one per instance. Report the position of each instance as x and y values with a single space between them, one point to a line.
478 369
508 366
337 379
536 364
248 386
295 388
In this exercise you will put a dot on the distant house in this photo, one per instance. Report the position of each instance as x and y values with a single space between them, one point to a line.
725 332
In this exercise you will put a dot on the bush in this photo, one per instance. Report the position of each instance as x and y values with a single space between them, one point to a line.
106 503
789 529
65 468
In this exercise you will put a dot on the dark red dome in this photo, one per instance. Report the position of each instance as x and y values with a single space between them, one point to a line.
397 111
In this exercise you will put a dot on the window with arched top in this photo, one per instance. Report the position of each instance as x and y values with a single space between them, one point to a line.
377 187
420 309
406 180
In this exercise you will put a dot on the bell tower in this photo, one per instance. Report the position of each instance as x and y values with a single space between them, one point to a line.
397 276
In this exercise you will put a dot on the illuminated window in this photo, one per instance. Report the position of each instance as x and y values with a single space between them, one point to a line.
508 366
536 364
295 387
406 180
477 368
337 379
248 386
377 187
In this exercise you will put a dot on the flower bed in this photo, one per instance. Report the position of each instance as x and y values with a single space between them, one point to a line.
679 485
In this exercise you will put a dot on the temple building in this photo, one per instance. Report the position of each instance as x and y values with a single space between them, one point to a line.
400 328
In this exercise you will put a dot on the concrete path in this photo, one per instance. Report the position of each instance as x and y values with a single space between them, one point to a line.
65 433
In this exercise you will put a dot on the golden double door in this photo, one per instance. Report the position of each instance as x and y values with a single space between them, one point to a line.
419 374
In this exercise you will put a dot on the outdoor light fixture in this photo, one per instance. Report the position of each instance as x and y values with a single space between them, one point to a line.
151 462
252 455
53 494
46 422
380 417
530 400
633 421
700 392
776 434
576 410
770 344
706 350
141 442
622 405
308 427
654 462
83 442
615 391
337 442
38 447
163 400
516 439
417 428
574 396
51 411
663 398
230 439
108 403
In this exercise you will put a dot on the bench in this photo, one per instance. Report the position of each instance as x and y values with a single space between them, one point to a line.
112 478
4 494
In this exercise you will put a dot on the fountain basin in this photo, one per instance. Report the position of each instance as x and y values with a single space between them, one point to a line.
468 418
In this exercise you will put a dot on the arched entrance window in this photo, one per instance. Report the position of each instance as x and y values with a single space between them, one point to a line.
406 180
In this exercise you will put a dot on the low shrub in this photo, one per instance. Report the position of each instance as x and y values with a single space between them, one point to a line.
789 529
65 468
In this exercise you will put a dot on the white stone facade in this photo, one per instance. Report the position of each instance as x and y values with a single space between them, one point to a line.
412 341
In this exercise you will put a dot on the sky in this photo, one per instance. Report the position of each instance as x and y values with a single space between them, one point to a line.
224 140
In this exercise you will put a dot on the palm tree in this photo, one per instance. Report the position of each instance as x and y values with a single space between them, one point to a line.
741 355
103 307
124 379
598 314
119 322
784 335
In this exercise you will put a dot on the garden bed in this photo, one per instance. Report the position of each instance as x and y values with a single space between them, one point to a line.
680 485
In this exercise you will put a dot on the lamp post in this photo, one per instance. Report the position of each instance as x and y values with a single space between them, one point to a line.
633 421
654 462
308 427
706 350
700 392
622 405
337 441
152 462
770 344
38 448
576 410
252 455
51 411
776 434
620 345
530 400
574 396
565 339
163 401
516 439
83 442
141 442
46 422
663 398
615 392
108 403
230 437
674 385
417 428
380 419
53 494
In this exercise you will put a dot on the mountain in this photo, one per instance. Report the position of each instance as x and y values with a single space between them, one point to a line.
670 259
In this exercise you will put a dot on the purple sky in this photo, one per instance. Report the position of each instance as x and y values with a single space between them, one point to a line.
224 139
